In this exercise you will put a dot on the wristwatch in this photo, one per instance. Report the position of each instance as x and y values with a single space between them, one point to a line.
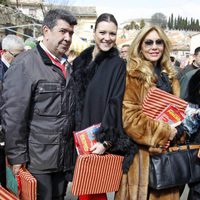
107 144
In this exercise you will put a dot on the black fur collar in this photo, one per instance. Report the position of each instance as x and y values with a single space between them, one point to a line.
87 54
85 69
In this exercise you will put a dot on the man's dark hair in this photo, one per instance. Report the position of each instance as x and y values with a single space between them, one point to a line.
52 16
196 51
105 17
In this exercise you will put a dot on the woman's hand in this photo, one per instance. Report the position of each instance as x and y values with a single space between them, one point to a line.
173 133
98 148
198 155
166 146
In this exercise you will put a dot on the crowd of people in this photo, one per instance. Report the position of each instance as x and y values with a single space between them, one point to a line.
48 91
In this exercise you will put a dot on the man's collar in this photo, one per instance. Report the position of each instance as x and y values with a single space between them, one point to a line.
5 61
62 60
194 63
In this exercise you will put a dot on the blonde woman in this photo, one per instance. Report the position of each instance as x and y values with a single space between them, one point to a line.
148 66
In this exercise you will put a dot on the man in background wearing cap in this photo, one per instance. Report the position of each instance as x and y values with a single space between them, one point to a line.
30 43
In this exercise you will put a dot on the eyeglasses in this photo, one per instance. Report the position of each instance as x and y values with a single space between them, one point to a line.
158 42
14 55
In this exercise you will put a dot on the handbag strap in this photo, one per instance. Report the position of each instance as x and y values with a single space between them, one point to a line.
184 147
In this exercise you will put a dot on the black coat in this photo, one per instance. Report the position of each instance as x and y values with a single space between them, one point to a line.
3 69
99 89
37 113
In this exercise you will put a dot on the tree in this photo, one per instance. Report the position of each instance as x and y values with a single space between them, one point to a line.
142 23
171 22
127 27
4 2
159 19
175 23
131 26
181 23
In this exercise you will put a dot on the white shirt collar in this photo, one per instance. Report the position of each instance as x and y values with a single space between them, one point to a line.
61 60
5 61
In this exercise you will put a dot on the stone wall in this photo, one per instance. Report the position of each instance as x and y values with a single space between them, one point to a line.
26 1
13 17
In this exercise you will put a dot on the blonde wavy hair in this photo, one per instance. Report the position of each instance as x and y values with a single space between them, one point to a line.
136 60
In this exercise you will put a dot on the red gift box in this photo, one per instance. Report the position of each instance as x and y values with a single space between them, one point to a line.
157 100
95 174
6 195
28 185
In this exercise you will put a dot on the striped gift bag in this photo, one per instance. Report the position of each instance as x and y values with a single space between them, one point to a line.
6 195
157 100
96 174
28 185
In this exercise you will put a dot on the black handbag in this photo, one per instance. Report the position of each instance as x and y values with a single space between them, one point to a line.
176 167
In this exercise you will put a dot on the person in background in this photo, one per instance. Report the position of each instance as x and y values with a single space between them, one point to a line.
195 64
71 55
175 63
12 45
148 66
190 87
99 76
124 51
37 111
30 43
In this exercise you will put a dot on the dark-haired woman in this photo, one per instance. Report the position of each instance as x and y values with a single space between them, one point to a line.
99 75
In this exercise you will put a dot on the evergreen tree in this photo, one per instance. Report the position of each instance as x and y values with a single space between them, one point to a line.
169 23
175 23
197 25
185 27
181 23
142 23
192 24
172 21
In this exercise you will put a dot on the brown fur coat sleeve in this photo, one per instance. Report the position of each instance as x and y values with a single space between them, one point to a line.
138 125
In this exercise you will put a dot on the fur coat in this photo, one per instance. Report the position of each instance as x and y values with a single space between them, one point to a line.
148 134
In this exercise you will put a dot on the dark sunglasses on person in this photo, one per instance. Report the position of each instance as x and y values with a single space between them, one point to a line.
158 42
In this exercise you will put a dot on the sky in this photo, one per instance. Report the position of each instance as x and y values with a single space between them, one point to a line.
129 9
